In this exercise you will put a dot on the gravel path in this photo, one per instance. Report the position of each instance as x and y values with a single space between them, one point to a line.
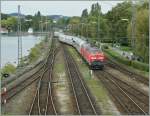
62 92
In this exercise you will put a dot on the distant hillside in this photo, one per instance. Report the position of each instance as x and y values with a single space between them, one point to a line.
57 17
4 16
16 14
53 17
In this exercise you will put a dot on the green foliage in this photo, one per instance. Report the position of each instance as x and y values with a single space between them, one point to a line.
141 47
105 47
90 25
35 52
36 21
135 64
115 26
4 16
118 57
10 23
84 13
74 20
62 22
125 48
140 65
95 10
74 25
29 21
118 27
9 69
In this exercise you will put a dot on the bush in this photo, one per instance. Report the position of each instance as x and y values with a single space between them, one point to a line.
140 65
9 69
117 57
124 60
105 46
35 52
135 64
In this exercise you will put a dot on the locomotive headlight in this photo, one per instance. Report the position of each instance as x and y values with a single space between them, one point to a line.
93 58
101 58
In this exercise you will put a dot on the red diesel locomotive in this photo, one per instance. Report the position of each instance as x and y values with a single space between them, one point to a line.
92 55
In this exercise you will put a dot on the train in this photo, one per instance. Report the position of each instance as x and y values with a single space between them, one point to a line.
94 57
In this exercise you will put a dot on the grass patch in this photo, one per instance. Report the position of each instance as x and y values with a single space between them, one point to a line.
140 65
36 51
117 57
125 48
8 69
132 68
60 67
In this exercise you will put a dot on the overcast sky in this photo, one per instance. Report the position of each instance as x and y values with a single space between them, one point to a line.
66 8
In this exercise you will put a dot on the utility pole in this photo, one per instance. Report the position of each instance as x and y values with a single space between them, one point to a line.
78 30
19 38
0 40
87 31
46 25
82 29
98 28
133 22
41 22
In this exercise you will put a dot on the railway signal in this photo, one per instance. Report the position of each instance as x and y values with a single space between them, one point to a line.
19 38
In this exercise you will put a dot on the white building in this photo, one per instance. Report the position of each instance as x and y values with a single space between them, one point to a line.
30 30
3 31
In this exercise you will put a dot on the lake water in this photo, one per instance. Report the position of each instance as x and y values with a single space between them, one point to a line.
9 47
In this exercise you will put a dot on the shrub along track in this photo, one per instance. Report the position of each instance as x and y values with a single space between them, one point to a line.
43 103
133 75
85 103
128 99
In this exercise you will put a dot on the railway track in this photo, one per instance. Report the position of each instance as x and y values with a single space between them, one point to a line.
128 99
43 103
8 94
132 75
85 104
11 79
9 91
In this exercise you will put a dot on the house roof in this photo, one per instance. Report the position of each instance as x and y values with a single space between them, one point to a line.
3 29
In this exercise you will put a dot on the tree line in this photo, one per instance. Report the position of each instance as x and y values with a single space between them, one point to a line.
37 22
115 26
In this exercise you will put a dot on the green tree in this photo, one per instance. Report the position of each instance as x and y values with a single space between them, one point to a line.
4 23
74 24
10 23
117 26
62 22
27 22
36 21
141 47
84 13
95 9
9 68
4 16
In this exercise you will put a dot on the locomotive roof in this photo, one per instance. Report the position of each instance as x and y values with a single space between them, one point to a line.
79 41
92 49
